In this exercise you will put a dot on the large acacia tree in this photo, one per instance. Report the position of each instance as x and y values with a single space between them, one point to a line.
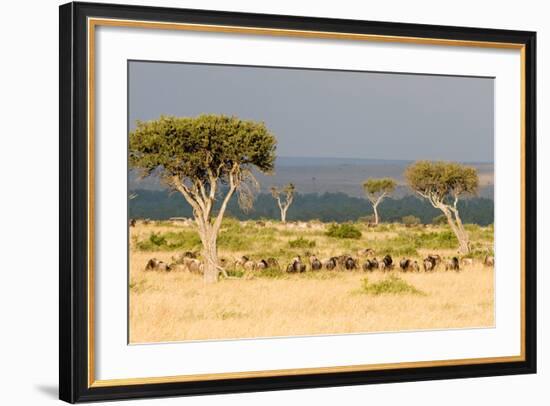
207 159
443 184
377 190
284 203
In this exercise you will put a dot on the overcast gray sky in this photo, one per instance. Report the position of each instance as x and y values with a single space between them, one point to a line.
320 113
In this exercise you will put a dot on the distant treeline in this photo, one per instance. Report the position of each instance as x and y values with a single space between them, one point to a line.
326 207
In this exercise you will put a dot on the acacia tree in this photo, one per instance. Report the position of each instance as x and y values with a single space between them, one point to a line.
288 192
207 159
443 184
377 190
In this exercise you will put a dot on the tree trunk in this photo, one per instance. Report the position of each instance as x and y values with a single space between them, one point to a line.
375 208
463 240
283 215
458 230
211 269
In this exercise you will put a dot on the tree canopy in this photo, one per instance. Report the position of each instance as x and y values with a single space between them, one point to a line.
198 147
374 187
438 181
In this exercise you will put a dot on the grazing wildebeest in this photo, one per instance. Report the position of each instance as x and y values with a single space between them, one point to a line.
151 264
429 263
452 264
331 263
341 260
436 260
370 265
467 261
296 265
180 259
156 265
246 263
262 264
132 222
367 252
249 265
405 264
388 261
315 263
194 265
242 260
489 260
350 264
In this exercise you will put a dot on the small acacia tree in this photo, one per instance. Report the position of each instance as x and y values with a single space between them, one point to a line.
443 184
288 192
206 159
376 190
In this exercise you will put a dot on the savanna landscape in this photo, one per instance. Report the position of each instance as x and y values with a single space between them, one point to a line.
251 302
341 206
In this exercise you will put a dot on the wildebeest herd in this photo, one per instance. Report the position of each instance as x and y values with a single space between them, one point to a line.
188 261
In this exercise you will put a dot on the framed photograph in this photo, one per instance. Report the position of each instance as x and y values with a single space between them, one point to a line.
258 202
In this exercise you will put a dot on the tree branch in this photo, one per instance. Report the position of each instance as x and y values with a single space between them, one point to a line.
233 184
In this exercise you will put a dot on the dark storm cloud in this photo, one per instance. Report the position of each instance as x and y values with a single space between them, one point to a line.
319 113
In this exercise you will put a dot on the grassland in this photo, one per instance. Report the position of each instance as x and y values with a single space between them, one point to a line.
174 306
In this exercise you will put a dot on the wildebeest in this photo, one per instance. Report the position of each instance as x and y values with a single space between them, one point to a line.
489 260
132 222
405 264
415 267
194 265
246 263
315 263
467 261
242 260
262 264
452 264
180 259
428 265
431 262
296 265
388 262
331 263
370 265
347 262
436 259
155 265
367 252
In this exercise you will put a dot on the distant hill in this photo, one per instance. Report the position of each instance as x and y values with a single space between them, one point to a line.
161 204
333 175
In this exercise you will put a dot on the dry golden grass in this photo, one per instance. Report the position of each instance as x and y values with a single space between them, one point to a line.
176 306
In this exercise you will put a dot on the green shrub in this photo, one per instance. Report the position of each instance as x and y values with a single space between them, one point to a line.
235 273
393 285
343 231
410 220
439 220
480 252
301 243
170 241
382 228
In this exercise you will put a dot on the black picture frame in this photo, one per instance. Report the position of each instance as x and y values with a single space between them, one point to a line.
73 284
